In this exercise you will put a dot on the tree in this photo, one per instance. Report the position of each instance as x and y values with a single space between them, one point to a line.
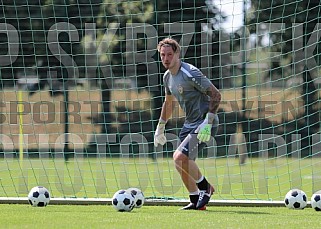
100 52
24 17
33 19
300 16
112 21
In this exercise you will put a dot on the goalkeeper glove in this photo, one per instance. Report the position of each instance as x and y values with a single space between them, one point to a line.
159 137
204 129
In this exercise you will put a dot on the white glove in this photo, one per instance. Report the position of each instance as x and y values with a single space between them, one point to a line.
204 129
159 137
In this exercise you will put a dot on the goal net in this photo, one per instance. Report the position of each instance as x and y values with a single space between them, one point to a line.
81 95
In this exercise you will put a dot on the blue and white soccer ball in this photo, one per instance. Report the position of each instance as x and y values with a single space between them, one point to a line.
139 196
295 199
316 201
123 201
39 196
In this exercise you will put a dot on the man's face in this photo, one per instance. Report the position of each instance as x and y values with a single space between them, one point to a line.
169 57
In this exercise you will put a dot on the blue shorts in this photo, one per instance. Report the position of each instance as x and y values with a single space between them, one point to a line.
190 145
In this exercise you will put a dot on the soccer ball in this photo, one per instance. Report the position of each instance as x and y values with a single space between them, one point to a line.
295 199
316 201
139 197
39 196
123 201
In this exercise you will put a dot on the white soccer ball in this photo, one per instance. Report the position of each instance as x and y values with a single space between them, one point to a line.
316 201
295 199
39 196
139 196
123 201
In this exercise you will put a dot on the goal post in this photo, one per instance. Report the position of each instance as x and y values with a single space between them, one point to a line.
148 202
81 95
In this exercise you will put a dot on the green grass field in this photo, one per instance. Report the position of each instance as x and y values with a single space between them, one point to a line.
259 179
104 216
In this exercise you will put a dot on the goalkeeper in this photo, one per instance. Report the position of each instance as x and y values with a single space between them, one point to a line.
199 99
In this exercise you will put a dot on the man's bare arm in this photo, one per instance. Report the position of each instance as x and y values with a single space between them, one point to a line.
167 108
215 99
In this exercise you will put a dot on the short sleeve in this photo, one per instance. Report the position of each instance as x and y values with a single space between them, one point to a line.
196 78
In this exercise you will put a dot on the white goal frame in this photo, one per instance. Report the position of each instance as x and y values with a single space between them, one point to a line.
148 202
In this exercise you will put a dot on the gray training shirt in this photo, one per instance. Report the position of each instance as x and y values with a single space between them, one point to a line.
189 88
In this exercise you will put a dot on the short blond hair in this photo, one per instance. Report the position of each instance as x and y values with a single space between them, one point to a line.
169 42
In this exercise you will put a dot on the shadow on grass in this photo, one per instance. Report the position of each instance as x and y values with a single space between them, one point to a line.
239 212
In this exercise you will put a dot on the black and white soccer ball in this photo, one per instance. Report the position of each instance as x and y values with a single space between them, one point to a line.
123 201
316 201
295 199
139 196
39 196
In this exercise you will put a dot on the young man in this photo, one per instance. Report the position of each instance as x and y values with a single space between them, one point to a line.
199 99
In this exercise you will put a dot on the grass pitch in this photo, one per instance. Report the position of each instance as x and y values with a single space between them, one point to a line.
258 179
104 216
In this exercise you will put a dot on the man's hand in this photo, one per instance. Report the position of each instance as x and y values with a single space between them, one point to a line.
204 129
204 132
159 137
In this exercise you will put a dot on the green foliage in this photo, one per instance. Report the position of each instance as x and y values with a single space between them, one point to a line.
299 20
279 10
124 12
287 12
115 16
